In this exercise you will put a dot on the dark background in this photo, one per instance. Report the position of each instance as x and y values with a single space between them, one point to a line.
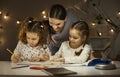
20 9
87 10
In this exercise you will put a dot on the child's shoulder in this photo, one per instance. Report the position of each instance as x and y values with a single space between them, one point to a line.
65 42
88 46
21 43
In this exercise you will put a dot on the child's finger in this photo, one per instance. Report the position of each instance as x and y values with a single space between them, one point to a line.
35 59
15 58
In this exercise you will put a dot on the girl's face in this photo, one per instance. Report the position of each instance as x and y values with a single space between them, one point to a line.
75 38
32 39
56 24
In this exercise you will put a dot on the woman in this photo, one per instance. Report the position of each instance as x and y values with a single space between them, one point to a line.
60 19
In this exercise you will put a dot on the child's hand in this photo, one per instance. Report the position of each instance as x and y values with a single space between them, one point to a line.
59 60
34 59
45 57
15 58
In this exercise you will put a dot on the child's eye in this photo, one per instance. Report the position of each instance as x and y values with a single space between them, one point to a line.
58 24
33 39
75 38
28 38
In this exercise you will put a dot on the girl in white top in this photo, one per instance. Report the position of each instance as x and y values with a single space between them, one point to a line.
75 50
32 42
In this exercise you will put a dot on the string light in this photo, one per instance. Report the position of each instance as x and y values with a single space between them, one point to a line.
99 33
111 30
43 12
29 21
44 16
118 13
18 22
93 24
0 12
5 17
108 20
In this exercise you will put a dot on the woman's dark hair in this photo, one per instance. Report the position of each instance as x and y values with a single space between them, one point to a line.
49 30
58 11
29 25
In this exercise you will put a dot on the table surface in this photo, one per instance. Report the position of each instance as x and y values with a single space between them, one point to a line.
86 71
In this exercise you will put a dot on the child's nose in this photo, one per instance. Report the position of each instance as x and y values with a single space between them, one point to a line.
54 26
71 39
30 41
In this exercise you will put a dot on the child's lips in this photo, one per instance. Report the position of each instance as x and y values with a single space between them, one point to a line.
32 45
72 42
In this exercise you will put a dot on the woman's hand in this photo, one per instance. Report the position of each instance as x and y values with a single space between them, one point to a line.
15 58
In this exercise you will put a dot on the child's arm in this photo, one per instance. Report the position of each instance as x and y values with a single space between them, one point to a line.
16 56
82 58
58 60
58 55
46 55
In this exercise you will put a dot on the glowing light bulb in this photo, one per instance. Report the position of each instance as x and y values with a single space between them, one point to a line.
18 22
118 13
111 30
44 16
100 34
0 12
5 17
108 20
43 12
93 24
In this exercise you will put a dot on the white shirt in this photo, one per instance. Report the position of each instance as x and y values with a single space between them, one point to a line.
68 53
27 52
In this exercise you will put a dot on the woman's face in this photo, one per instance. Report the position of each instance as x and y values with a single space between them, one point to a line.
56 24
76 38
32 39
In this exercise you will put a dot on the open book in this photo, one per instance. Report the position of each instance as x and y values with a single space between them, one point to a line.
58 71
47 64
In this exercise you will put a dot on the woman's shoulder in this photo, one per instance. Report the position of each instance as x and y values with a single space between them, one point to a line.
72 13
70 10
